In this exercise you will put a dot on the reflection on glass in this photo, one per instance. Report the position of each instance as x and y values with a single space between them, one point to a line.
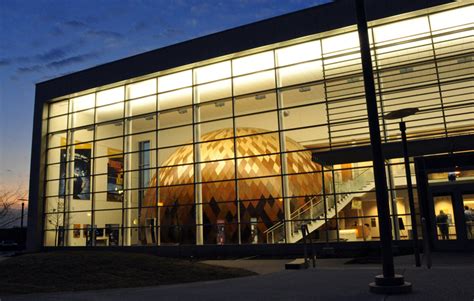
445 224
468 207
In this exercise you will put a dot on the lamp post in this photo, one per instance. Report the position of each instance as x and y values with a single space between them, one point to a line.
400 114
388 282
22 211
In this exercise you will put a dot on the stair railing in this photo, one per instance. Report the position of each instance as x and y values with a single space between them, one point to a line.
313 209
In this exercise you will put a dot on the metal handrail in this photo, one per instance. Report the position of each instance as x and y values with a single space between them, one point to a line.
310 205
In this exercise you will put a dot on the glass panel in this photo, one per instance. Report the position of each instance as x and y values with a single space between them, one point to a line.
443 206
212 72
54 155
260 122
452 18
216 129
58 108
175 136
253 63
83 102
215 90
175 99
107 199
298 53
81 118
57 123
468 205
141 106
82 135
172 155
301 73
135 140
302 95
142 124
55 140
254 82
109 130
110 96
251 145
343 42
215 110
109 112
313 137
304 116
175 118
108 147
144 88
53 171
255 103
402 29
175 81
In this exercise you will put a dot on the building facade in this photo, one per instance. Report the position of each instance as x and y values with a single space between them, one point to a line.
240 137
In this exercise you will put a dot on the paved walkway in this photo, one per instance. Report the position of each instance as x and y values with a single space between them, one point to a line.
452 278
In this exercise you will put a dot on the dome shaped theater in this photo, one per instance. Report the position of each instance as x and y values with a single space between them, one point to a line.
259 186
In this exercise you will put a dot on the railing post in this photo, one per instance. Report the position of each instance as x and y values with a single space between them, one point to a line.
426 243
305 251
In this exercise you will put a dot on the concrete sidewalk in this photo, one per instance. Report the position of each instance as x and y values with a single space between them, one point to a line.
451 279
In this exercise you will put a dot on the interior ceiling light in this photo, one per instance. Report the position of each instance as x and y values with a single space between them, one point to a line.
465 59
406 70
219 104
304 89
353 79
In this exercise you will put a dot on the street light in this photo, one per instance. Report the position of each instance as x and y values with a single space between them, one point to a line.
22 211
388 282
400 114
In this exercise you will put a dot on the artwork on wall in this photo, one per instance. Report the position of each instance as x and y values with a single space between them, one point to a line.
81 172
62 173
115 179
76 233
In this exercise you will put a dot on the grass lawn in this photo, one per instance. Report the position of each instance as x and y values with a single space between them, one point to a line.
89 270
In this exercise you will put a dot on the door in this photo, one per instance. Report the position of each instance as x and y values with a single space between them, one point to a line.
468 207
452 213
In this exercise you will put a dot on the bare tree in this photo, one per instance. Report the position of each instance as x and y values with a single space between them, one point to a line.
56 220
9 197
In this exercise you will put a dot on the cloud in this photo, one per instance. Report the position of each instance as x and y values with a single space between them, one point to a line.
53 54
74 24
5 62
30 69
72 60
168 33
104 34
58 64
140 26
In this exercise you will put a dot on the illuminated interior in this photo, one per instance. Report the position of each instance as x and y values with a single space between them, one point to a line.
233 141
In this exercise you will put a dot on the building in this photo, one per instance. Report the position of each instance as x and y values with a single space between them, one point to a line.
240 137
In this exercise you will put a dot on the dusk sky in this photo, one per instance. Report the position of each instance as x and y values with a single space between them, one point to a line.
44 39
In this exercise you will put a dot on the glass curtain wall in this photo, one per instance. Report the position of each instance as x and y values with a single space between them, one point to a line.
226 153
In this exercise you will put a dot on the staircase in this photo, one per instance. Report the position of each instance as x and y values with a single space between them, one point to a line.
312 212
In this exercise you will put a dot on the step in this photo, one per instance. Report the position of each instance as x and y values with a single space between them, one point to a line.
297 264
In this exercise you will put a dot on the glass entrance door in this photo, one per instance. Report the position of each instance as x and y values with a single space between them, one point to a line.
452 213
468 206
445 219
